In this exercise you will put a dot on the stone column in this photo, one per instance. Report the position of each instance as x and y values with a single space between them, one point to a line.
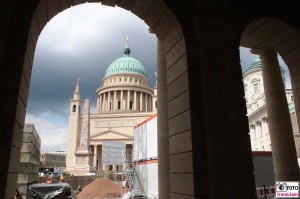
95 156
264 130
104 102
115 100
98 101
128 99
108 101
100 104
141 101
121 100
134 101
281 133
146 102
162 126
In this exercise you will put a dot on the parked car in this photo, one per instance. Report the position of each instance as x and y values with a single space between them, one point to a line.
55 190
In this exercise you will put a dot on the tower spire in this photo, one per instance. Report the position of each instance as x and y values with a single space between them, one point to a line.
77 92
126 50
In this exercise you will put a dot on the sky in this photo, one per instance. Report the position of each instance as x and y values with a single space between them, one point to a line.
83 41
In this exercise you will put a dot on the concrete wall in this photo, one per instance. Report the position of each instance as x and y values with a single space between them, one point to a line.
29 160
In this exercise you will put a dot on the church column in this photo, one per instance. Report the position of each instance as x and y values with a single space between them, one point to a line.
281 133
251 136
95 156
146 102
264 132
121 99
115 100
109 102
104 102
162 126
141 101
100 103
128 99
134 101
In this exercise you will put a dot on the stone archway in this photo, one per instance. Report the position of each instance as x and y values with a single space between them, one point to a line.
208 128
267 37
34 17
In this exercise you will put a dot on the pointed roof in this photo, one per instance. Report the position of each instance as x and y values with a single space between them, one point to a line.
77 91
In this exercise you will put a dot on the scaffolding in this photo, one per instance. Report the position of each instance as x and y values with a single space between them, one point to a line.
115 153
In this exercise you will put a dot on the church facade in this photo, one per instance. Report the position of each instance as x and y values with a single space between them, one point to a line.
257 110
124 100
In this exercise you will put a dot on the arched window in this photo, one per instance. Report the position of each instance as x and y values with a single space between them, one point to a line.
74 108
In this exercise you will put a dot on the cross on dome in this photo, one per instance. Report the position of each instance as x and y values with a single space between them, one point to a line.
126 49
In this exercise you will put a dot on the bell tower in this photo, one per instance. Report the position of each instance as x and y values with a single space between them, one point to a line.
74 127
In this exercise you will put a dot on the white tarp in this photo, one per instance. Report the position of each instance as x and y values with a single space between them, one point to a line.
145 141
145 155
113 153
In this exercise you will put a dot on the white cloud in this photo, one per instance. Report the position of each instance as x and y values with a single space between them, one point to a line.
52 130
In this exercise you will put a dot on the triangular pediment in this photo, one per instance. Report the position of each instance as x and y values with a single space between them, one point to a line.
111 135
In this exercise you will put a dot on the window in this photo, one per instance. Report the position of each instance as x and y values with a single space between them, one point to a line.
131 105
74 108
292 98
119 104
256 88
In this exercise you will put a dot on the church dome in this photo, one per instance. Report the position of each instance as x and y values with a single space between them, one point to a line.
256 65
125 65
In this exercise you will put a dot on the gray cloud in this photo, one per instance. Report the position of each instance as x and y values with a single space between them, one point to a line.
82 42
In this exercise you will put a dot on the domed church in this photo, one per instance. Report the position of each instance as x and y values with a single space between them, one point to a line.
124 100
257 110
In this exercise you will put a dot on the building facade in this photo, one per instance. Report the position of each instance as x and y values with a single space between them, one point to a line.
124 100
257 111
53 161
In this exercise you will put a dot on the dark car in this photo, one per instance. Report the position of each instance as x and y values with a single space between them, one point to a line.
55 190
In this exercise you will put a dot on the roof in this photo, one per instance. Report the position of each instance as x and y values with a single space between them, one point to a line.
256 65
291 106
126 65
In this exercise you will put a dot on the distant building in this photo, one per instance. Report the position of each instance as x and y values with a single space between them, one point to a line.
29 159
53 161
257 112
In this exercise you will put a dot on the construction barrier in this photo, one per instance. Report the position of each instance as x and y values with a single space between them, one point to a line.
267 192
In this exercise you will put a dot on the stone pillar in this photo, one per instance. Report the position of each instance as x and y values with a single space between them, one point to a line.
95 156
100 104
128 99
146 102
281 132
98 97
162 126
104 108
141 101
134 101
108 101
264 132
115 100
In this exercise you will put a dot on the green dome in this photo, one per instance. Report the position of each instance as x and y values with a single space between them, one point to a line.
256 65
126 64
